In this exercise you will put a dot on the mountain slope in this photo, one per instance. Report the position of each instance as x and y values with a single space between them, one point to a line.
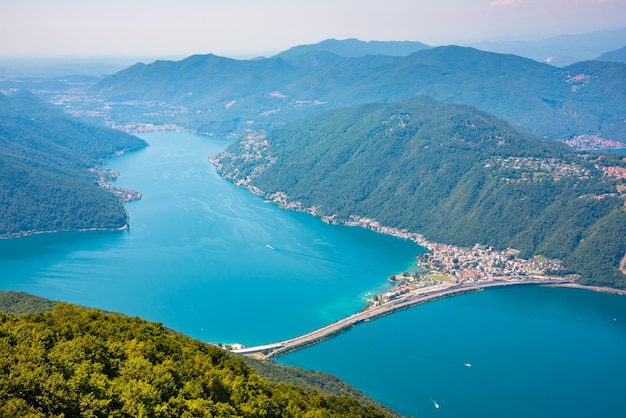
20 303
83 362
44 178
451 172
619 55
219 95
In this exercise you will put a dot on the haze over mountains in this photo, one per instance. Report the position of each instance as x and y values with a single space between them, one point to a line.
403 135
619 55
355 48
584 103
451 142
561 50
221 95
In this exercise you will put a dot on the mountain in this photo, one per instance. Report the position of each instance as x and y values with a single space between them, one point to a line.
222 96
561 50
355 48
45 157
450 172
79 362
619 55
20 303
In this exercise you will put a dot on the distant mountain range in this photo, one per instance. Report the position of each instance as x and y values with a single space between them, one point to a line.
420 158
219 95
451 172
45 155
619 55
355 48
561 50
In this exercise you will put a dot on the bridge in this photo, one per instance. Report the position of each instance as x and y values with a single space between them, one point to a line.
413 298
259 348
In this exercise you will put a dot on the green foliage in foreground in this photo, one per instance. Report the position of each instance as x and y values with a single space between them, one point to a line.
21 303
310 380
83 362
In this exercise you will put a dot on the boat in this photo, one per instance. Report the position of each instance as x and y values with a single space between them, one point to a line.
435 404
269 246
468 364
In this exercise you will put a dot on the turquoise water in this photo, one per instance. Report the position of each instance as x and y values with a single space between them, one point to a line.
534 352
196 259
196 255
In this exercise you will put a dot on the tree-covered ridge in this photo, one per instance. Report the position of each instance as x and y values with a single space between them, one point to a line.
21 303
311 380
221 95
450 172
82 362
45 155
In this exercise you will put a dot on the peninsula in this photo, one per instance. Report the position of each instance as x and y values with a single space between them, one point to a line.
414 297
446 270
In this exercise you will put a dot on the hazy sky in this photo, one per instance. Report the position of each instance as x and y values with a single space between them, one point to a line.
245 28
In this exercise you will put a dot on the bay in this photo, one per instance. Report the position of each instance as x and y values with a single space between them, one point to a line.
205 257
533 352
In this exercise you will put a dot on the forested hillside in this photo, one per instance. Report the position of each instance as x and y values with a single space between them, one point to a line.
452 173
21 303
82 362
218 95
45 156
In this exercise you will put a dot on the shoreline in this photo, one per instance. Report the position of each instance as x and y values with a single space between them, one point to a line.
424 295
599 289
57 231
370 313
495 268
124 195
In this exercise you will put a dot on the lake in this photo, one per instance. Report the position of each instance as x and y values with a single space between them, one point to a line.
506 352
219 264
207 258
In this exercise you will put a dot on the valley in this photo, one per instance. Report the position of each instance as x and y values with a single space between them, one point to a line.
479 162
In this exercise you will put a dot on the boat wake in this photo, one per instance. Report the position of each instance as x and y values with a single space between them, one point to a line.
435 404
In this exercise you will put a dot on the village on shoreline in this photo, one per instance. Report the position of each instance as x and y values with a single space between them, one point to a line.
442 270
440 264
454 265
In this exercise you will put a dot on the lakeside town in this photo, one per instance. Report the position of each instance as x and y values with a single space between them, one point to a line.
105 177
449 264
442 265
